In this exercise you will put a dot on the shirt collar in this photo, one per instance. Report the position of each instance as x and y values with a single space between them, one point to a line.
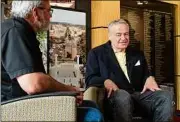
25 23
115 51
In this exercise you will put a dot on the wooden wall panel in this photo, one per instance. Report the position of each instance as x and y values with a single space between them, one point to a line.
178 92
102 12
178 42
178 56
99 36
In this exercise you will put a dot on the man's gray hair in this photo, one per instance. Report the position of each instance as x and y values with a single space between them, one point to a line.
22 8
116 22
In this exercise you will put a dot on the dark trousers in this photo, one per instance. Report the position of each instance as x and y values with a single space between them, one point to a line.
157 106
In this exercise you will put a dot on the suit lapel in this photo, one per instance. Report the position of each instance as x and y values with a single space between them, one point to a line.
129 62
112 58
115 64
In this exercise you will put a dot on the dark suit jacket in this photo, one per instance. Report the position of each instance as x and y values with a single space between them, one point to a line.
102 64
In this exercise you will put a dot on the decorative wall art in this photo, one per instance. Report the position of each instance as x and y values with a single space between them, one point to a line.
67 45
63 3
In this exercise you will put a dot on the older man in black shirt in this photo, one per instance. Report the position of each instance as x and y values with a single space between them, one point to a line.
22 69
20 55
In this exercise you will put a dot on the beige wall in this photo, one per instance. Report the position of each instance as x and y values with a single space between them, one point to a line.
102 12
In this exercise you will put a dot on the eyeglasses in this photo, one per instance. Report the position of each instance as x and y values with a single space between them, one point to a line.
49 10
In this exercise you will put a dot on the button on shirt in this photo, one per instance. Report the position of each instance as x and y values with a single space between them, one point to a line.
121 57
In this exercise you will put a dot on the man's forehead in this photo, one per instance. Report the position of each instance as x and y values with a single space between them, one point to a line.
120 25
45 3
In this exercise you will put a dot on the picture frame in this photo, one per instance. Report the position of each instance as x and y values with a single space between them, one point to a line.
67 45
63 3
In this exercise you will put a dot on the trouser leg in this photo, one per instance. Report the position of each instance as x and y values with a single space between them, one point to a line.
158 104
120 104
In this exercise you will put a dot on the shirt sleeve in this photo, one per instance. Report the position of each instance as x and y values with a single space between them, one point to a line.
17 57
93 76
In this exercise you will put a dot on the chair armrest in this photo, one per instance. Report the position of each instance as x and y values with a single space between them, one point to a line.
58 106
96 95
91 94
41 95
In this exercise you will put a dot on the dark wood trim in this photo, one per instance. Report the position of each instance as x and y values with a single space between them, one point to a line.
98 27
85 5
177 36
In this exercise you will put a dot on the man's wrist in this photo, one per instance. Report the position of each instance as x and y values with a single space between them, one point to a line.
107 80
151 78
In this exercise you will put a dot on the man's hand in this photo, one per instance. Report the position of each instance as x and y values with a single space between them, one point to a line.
150 84
79 98
110 86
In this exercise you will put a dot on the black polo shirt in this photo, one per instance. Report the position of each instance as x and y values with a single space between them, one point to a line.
20 54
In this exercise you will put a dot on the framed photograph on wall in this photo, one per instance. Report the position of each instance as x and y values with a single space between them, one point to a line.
63 3
67 47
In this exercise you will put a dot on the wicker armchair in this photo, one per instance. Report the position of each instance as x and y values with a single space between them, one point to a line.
58 106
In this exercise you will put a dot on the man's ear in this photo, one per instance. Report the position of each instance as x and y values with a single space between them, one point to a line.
35 14
109 36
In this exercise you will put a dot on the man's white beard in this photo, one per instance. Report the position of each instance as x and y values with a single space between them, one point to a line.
42 26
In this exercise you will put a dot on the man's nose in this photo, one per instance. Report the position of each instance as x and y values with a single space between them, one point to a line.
122 37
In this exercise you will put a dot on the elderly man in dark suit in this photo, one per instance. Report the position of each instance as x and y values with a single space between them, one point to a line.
123 72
